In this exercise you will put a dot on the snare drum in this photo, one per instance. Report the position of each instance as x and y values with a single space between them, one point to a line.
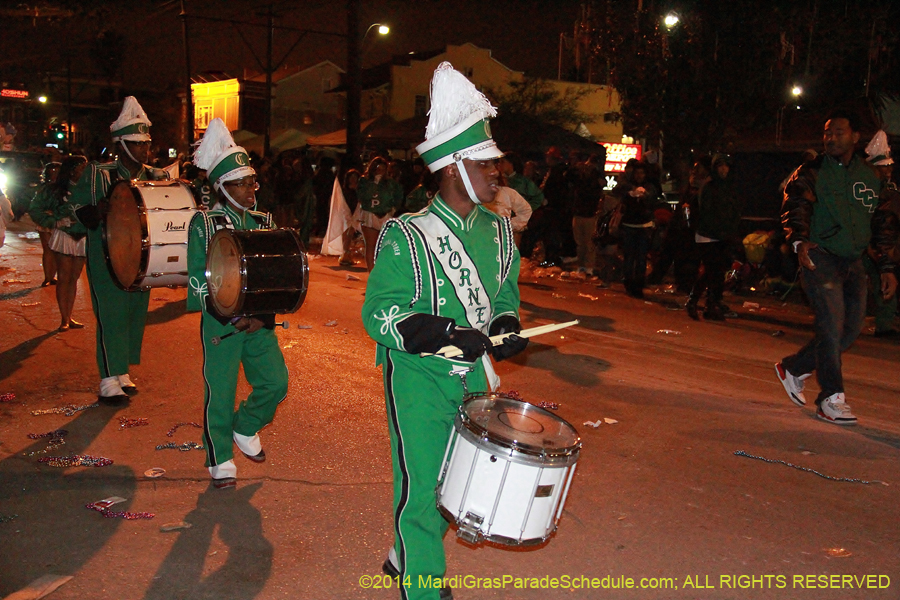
145 233
256 271
506 471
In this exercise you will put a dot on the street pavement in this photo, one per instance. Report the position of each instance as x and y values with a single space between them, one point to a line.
659 498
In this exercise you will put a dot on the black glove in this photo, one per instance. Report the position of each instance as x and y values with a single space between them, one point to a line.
511 345
472 342
424 333
268 320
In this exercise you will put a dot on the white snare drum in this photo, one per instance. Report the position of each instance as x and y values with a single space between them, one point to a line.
145 234
506 471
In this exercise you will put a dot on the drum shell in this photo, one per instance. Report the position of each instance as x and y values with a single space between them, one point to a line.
273 271
149 247
517 493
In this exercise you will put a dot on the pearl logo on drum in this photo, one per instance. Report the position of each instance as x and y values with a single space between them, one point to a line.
170 226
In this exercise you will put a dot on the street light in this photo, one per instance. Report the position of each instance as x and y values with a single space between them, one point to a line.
671 20
796 92
42 99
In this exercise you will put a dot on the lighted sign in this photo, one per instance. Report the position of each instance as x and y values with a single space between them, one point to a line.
619 154
10 93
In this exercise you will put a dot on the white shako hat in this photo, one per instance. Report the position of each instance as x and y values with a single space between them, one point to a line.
133 124
458 125
879 150
220 157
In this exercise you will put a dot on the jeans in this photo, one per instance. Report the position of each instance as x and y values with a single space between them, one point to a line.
584 228
635 242
837 293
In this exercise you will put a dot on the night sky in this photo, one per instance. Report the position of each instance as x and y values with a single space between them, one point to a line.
523 34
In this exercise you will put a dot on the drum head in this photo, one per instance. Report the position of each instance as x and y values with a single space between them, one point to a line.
123 234
510 422
223 273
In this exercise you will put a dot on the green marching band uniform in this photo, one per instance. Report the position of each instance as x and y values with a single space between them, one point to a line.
121 315
434 271
258 352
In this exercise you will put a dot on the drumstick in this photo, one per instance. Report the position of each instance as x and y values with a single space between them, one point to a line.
496 340
219 338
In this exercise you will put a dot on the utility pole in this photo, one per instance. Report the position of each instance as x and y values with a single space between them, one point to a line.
354 76
267 138
188 94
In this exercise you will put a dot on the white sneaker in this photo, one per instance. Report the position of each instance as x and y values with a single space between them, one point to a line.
111 392
792 385
126 384
835 410
251 446
225 469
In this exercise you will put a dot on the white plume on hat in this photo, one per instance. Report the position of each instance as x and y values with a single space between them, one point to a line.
453 99
220 157
132 114
215 143
879 150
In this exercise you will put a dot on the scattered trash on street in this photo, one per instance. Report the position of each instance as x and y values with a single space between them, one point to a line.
560 296
751 305
331 323
353 278
154 472
837 553
777 333
175 526
588 296
594 424
668 332
7 397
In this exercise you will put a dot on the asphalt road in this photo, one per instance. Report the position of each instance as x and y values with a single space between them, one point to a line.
659 497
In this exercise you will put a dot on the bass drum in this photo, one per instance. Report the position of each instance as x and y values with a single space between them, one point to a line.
256 272
145 233
506 471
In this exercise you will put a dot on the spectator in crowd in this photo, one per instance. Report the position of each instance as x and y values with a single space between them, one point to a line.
888 212
638 198
718 227
351 197
679 246
828 214
587 192
510 165
44 221
509 203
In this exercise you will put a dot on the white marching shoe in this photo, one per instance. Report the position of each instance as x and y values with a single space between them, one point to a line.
111 392
127 385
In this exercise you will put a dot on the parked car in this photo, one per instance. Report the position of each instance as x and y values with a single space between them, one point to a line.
20 176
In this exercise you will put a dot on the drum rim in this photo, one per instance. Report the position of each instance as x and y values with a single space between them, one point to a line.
481 437
145 235
494 538
304 259
242 269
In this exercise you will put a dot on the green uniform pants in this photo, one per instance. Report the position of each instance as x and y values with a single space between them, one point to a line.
265 371
885 310
421 405
120 315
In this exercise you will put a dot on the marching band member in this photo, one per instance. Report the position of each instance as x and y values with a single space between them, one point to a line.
446 275
121 315
256 347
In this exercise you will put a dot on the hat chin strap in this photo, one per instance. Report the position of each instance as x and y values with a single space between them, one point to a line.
457 158
234 202
128 152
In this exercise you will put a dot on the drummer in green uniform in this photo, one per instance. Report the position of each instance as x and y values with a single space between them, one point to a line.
255 345
444 276
121 315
